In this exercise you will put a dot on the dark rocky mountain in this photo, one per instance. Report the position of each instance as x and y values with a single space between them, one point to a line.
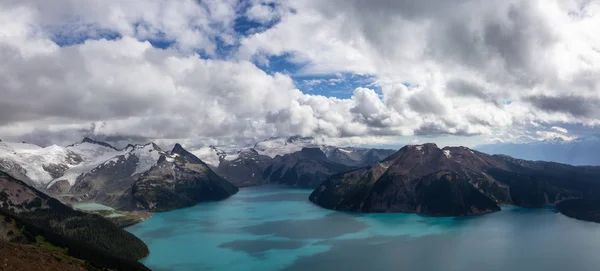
246 170
454 181
178 180
31 217
296 161
356 157
582 209
104 144
306 169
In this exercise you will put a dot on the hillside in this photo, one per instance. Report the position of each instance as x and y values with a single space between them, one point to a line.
80 235
454 181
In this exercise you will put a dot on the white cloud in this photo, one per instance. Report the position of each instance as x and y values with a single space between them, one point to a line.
527 52
560 129
506 70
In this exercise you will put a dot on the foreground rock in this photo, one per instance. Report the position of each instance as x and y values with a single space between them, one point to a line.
454 181
31 217
178 180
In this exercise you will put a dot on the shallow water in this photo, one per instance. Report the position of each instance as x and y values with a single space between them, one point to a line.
275 228
90 206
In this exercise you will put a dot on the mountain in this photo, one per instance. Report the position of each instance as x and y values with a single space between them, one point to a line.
245 169
109 182
289 161
581 151
179 179
93 171
306 168
31 217
454 181
36 165
356 157
281 146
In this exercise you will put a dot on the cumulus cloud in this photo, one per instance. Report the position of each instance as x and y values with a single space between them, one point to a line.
72 68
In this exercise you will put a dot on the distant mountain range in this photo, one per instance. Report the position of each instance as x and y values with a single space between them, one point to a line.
295 161
417 178
455 181
145 177
37 185
581 151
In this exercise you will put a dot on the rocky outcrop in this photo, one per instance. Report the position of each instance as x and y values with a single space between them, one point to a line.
453 181
179 180
582 209
91 141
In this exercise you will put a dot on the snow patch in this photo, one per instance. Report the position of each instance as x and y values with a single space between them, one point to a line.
419 147
447 153
282 146
344 151
34 158
147 155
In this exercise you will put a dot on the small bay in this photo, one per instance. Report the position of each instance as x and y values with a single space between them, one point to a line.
277 228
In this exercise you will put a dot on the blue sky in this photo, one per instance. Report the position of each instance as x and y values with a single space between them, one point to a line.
339 85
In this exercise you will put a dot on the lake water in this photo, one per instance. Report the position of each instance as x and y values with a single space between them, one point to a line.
275 228
90 206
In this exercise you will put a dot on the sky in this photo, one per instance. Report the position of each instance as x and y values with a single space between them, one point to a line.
349 72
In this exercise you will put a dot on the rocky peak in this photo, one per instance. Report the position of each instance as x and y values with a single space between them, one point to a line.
91 141
179 150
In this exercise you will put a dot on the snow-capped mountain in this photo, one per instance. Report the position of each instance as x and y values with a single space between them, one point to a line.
281 146
212 155
249 166
36 165
60 168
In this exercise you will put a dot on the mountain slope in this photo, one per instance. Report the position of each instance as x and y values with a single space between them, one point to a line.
454 181
85 236
110 182
306 169
285 161
246 169
179 179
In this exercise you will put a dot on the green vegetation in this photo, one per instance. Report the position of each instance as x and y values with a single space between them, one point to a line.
40 240
50 224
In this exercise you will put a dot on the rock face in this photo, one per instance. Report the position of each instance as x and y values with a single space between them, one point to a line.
355 157
246 169
453 181
295 161
582 209
43 220
306 169
179 179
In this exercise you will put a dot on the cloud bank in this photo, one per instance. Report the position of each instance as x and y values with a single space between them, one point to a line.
193 71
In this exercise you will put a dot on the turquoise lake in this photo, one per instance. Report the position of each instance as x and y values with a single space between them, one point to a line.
275 228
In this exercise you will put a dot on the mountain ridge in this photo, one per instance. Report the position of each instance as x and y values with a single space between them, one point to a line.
411 180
